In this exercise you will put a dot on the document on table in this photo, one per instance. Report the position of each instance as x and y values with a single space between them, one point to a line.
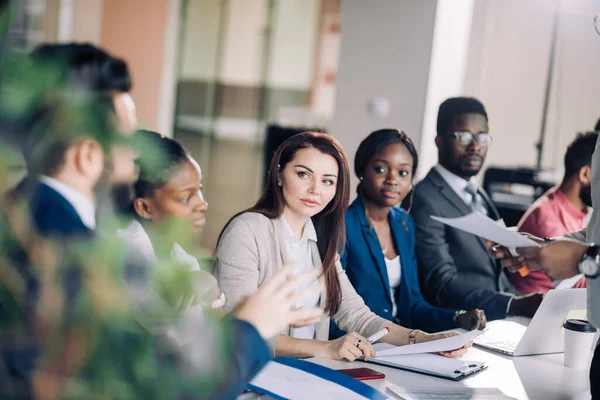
432 364
486 228
448 393
286 378
446 344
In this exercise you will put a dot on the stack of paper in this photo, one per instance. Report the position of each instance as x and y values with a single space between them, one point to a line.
435 346
464 393
421 357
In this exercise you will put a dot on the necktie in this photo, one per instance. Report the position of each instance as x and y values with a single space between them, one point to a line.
476 200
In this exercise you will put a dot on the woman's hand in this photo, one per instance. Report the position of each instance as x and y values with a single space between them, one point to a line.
469 320
428 337
345 348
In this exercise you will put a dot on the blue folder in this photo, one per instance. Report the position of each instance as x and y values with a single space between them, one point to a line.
327 374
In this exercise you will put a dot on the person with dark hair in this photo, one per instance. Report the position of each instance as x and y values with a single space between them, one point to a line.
561 210
81 70
300 219
379 257
455 268
169 190
63 329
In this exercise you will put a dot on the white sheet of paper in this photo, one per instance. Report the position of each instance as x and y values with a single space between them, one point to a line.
434 363
465 393
486 228
569 282
446 344
292 383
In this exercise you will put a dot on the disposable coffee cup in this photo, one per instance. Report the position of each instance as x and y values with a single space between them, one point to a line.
579 339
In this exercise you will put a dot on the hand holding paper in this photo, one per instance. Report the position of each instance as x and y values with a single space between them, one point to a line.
435 346
486 228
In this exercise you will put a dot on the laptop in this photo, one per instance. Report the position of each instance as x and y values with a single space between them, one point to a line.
542 334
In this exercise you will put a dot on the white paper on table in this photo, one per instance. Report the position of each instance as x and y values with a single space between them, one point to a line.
464 393
427 362
486 228
293 383
446 344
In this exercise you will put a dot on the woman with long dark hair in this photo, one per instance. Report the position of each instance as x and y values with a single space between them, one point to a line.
300 219
379 257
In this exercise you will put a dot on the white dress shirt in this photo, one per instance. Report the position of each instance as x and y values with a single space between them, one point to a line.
139 241
459 185
83 205
394 271
301 255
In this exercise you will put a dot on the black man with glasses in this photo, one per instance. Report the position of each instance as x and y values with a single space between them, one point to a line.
455 269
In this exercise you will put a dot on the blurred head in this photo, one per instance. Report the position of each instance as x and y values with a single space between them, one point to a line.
70 137
462 136
169 183
578 164
385 163
309 176
84 68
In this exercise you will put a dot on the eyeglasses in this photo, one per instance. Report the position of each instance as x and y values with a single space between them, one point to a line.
465 138
597 23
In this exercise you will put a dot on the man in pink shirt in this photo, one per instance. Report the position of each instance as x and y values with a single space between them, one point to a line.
561 210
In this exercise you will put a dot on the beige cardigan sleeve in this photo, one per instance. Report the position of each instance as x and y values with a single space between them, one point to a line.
353 314
236 262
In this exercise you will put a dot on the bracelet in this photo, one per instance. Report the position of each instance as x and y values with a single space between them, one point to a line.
218 303
456 314
412 336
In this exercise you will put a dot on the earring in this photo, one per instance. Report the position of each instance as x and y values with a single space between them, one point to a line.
360 178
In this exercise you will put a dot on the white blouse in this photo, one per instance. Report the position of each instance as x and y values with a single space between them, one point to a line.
394 271
301 255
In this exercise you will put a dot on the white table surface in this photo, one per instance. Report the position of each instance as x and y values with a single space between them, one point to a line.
527 377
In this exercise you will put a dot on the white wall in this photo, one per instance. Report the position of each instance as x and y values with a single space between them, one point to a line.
291 48
508 69
244 42
449 56
200 39
575 96
293 44
385 52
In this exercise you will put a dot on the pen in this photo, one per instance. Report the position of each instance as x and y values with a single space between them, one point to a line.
378 335
523 271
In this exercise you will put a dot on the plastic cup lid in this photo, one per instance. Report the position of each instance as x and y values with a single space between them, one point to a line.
579 325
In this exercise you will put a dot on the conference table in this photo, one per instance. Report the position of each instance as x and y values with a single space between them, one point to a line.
525 377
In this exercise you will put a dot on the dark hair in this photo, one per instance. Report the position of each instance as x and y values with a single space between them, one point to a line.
579 153
80 72
373 144
85 67
60 121
454 107
377 141
329 223
159 157
597 127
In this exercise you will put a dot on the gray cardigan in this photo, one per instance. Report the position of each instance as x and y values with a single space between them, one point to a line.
251 251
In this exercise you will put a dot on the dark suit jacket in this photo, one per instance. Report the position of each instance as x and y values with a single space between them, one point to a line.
455 267
365 266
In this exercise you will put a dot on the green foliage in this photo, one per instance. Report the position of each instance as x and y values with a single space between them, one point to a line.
97 345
